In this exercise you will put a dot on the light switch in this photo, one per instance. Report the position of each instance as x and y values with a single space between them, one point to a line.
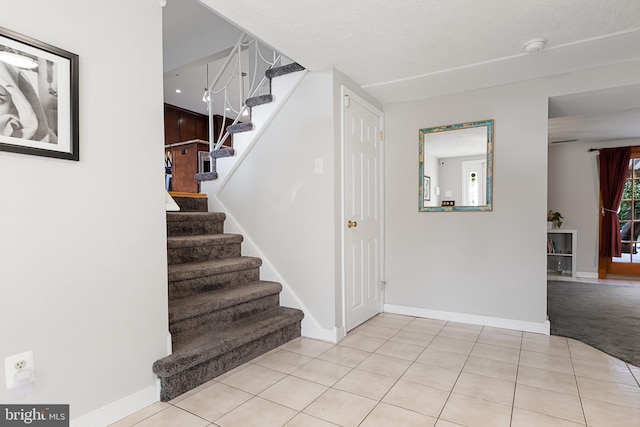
318 166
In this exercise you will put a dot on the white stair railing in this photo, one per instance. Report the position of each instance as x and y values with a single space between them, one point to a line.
235 69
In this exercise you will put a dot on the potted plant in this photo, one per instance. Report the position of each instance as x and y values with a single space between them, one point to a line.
554 219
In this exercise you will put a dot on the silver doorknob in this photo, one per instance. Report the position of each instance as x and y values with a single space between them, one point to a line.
352 224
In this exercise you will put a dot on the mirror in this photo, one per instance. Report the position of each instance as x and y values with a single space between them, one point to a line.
456 167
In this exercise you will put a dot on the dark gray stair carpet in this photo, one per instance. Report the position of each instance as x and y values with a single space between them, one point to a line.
194 223
259 100
206 176
185 249
198 359
284 69
222 306
240 127
193 278
190 204
222 152
221 314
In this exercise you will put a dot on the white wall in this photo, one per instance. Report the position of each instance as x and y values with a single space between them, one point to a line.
283 206
287 211
83 259
574 190
488 263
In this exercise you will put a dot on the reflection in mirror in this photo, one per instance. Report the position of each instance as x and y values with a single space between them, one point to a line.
456 167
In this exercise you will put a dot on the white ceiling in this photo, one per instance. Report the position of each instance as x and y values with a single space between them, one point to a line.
193 36
603 115
412 49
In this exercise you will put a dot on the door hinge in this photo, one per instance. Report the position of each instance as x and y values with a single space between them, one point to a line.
381 135
383 284
346 100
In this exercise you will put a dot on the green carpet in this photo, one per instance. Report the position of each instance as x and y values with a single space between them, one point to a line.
606 317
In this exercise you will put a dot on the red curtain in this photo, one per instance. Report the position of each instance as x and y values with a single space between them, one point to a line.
614 166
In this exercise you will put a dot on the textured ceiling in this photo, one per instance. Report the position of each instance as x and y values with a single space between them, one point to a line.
413 49
388 46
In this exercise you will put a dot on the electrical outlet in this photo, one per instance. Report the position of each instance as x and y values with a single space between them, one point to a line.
19 369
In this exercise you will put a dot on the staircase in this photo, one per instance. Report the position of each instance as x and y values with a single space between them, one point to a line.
239 127
221 314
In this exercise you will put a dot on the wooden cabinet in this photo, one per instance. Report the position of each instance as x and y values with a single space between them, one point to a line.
185 134
182 125
184 158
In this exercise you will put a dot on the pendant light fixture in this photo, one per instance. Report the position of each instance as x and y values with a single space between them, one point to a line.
205 96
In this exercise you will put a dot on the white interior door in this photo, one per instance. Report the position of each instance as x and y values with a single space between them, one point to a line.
362 210
474 183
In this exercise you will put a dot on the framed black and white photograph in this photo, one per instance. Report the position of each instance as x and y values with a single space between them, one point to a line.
426 185
38 98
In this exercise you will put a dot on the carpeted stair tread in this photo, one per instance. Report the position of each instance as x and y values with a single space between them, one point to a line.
183 308
190 249
174 242
259 100
212 267
195 216
284 69
190 351
194 223
222 152
188 203
206 176
240 127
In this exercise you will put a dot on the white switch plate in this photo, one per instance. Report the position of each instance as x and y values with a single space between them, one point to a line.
318 166
19 369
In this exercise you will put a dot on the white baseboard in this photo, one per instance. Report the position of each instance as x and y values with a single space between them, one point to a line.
586 275
119 409
310 329
474 319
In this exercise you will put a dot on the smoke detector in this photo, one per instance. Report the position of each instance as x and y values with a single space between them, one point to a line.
533 45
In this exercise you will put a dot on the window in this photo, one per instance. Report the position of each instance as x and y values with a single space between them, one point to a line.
629 213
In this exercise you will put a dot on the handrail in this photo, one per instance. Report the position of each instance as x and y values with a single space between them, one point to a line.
226 91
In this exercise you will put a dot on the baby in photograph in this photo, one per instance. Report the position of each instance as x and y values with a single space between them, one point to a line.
21 114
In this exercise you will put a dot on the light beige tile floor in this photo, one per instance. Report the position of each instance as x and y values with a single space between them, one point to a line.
405 371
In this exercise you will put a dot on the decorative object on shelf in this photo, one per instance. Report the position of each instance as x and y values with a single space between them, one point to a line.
555 218
559 267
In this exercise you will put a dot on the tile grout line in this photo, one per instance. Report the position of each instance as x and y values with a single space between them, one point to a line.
459 374
396 381
413 362
636 378
515 384
575 377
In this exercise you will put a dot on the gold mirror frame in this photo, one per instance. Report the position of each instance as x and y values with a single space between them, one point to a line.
425 190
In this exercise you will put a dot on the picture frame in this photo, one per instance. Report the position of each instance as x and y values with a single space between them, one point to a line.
426 185
38 98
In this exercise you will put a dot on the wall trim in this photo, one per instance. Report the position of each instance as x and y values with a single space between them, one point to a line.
119 409
474 319
587 275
